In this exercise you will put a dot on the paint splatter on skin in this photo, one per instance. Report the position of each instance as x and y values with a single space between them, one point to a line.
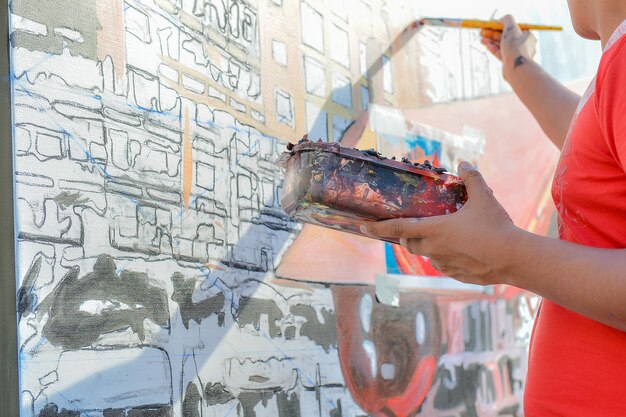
129 299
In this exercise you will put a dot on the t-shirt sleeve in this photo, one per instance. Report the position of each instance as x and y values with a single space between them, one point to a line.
612 104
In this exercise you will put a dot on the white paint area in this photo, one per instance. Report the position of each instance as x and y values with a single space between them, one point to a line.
70 34
365 310
342 90
314 77
312 27
388 120
119 378
316 121
19 23
420 328
98 306
279 52
193 84
387 371
370 350
339 45
168 72
387 75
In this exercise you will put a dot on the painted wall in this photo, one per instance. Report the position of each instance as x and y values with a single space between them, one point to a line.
150 231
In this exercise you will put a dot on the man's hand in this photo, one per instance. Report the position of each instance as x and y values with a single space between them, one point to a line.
470 245
512 46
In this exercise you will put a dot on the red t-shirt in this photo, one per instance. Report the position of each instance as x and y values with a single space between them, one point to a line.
577 366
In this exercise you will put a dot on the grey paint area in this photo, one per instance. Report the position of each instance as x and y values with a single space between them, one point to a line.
68 199
323 333
52 410
183 292
26 298
249 399
288 404
192 401
55 14
129 298
251 309
217 394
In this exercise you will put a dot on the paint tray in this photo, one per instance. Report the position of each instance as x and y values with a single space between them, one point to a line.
328 185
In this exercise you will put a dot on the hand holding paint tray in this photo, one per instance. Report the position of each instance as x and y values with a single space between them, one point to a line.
341 188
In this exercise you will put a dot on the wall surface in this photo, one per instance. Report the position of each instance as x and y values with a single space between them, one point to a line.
149 229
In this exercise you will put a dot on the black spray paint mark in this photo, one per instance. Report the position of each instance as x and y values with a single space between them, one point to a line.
217 394
251 309
192 401
127 300
324 334
183 292
26 298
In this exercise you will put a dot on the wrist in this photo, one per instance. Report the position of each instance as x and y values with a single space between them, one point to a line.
512 67
513 256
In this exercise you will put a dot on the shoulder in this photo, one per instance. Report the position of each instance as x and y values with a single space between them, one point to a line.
613 62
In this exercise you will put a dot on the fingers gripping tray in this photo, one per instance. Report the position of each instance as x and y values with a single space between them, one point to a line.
341 188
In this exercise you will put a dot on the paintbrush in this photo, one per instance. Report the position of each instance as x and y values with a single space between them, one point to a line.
479 24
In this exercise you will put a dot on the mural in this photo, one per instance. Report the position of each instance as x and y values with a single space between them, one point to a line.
157 273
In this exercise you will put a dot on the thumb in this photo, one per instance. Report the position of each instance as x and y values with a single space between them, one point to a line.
474 182
510 30
508 21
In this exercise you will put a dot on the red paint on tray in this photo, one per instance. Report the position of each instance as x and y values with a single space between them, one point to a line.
341 188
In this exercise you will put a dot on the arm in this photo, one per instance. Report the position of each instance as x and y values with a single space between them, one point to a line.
480 244
552 104
568 274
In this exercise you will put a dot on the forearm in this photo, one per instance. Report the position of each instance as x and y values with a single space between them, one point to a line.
552 104
589 281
